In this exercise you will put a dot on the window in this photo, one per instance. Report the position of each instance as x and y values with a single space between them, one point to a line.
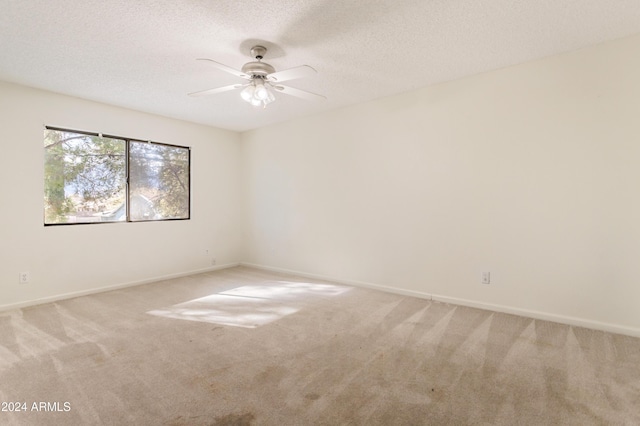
92 178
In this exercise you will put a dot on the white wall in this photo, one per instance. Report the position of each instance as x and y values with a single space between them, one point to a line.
76 259
530 172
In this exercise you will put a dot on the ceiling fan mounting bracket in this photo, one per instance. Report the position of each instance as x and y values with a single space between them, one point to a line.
258 52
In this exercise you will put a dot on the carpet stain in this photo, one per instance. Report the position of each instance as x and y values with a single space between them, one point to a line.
272 374
234 420
312 396
216 387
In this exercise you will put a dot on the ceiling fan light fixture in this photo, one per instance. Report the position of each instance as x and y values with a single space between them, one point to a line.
255 102
261 92
270 97
266 101
248 92
257 93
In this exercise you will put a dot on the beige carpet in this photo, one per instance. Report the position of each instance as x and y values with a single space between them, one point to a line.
247 347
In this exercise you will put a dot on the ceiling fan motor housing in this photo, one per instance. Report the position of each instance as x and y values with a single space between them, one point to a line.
258 68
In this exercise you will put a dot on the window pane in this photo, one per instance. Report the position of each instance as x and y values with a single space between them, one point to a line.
84 178
158 181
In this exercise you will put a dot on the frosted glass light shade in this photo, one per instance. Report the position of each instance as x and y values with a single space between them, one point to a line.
257 93
247 92
261 92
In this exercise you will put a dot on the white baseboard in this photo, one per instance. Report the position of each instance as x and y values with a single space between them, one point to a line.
353 283
562 319
578 322
71 295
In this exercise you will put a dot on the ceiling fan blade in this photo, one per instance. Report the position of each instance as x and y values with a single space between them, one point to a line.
292 73
226 68
216 90
300 93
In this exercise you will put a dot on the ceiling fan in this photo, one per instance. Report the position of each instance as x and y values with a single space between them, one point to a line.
263 80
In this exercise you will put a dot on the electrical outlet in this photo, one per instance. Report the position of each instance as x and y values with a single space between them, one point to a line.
24 278
213 261
486 278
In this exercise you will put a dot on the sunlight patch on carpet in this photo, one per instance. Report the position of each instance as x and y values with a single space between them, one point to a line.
251 306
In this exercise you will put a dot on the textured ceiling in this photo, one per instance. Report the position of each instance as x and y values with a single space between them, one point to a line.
141 54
